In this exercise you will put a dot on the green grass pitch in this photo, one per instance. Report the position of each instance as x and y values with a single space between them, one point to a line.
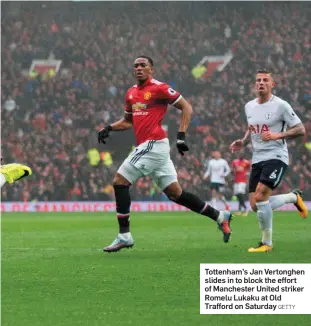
54 271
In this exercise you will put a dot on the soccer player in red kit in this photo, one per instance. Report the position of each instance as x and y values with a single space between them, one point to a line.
240 168
145 106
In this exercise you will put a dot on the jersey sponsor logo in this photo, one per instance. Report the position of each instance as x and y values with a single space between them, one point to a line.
258 129
268 115
171 91
138 109
139 106
147 96
140 113
240 168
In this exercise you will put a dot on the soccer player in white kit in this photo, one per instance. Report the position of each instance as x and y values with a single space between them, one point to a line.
218 168
271 121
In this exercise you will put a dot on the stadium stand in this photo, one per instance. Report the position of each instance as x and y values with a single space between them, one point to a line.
50 118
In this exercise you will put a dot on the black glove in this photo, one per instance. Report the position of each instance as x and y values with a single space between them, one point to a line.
181 143
104 133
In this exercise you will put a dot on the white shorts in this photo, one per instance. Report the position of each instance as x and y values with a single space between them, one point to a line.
239 188
150 158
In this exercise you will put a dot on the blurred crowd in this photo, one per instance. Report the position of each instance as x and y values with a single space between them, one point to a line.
51 123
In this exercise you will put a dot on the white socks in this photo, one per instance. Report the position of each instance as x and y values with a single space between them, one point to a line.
267 236
221 217
125 236
280 200
2 180
265 214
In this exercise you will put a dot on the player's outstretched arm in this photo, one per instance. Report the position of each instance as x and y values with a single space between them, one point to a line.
238 144
294 132
123 124
245 136
186 113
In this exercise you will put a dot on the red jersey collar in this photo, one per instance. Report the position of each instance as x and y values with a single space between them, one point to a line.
148 81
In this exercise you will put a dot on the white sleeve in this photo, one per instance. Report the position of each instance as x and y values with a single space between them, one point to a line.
227 168
289 116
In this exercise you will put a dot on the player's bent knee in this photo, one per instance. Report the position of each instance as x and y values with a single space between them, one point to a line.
259 196
120 180
173 196
173 191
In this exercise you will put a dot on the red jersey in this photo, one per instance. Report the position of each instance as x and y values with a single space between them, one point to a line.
240 168
148 104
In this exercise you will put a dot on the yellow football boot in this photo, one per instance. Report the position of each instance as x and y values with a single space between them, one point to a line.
13 172
300 205
261 248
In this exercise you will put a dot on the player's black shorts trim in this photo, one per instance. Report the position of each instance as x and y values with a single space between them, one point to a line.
138 155
269 172
219 187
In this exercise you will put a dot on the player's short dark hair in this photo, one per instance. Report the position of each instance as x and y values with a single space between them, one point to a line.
264 71
146 57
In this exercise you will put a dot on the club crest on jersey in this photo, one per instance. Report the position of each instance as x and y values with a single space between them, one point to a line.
268 115
147 96
139 106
